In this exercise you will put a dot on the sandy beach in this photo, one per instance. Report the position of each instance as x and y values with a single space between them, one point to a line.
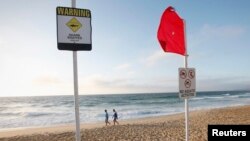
162 128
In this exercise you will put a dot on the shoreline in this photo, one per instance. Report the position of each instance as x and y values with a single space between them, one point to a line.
174 124
92 124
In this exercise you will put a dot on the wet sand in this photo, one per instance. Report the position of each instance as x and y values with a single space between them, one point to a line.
161 128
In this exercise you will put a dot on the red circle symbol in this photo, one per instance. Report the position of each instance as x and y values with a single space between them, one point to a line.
183 74
191 74
187 83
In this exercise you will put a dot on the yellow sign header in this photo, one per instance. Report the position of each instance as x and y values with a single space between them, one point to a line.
66 11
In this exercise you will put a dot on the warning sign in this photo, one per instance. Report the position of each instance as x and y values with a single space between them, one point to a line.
73 29
187 87
74 24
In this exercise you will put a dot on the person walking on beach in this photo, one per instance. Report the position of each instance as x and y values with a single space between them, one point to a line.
115 116
106 117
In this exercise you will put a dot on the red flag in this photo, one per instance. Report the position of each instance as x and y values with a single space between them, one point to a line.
171 32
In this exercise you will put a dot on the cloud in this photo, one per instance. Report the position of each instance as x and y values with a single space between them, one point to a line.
47 80
125 69
100 84
213 32
159 56
155 57
226 31
124 66
223 83
99 80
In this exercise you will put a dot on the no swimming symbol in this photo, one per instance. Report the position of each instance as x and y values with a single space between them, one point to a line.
187 83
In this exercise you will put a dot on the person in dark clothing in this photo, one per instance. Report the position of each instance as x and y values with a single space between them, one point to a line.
115 116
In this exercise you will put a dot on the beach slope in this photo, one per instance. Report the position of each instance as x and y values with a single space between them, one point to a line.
162 128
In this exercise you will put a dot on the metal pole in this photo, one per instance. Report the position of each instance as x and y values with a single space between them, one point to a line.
186 99
77 117
186 118
78 136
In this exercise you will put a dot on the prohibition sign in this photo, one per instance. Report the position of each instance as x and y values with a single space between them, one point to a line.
187 77
187 83
191 74
183 74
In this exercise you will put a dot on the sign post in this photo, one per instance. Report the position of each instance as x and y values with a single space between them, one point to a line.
187 85
187 89
74 33
172 38
77 116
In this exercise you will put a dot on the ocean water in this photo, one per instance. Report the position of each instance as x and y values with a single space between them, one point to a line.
16 112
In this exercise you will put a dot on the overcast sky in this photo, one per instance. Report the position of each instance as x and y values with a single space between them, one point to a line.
126 56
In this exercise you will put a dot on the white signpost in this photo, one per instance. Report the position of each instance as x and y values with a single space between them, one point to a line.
187 87
74 34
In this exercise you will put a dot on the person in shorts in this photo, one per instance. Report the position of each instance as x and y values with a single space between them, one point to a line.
115 116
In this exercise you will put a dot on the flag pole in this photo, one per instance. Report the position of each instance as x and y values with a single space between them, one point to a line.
77 117
186 99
